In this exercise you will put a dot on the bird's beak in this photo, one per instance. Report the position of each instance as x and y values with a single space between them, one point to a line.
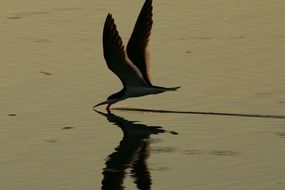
102 103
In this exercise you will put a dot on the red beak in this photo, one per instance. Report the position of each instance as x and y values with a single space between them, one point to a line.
102 103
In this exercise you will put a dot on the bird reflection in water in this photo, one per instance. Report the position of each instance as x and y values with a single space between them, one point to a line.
132 152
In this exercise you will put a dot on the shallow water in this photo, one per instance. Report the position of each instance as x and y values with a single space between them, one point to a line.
228 56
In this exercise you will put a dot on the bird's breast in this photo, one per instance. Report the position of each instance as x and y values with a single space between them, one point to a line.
141 91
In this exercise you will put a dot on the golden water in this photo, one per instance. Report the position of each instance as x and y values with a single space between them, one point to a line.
228 56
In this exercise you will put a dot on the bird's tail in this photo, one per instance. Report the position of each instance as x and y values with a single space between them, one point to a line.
172 88
167 89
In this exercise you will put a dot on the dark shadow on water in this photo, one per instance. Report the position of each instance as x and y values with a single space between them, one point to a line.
132 152
203 113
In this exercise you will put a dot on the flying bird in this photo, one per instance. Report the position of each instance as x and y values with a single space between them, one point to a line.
131 65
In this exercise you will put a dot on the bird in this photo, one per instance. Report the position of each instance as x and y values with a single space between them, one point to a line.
131 65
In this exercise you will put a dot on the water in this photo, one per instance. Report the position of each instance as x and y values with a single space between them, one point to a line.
228 56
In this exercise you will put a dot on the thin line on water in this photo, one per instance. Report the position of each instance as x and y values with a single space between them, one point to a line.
203 113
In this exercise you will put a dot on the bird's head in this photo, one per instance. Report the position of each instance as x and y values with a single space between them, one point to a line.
113 99
110 100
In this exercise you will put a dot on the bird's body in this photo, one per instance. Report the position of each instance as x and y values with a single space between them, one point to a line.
142 91
131 65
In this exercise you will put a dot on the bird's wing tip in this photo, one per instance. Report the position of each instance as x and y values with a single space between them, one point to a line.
109 16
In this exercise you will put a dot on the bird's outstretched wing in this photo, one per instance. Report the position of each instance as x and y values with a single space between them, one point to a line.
116 58
138 42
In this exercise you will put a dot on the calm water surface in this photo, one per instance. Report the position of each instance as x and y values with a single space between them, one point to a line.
228 56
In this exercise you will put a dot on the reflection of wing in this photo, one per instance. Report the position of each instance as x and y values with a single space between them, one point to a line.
116 58
132 151
140 170
138 42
